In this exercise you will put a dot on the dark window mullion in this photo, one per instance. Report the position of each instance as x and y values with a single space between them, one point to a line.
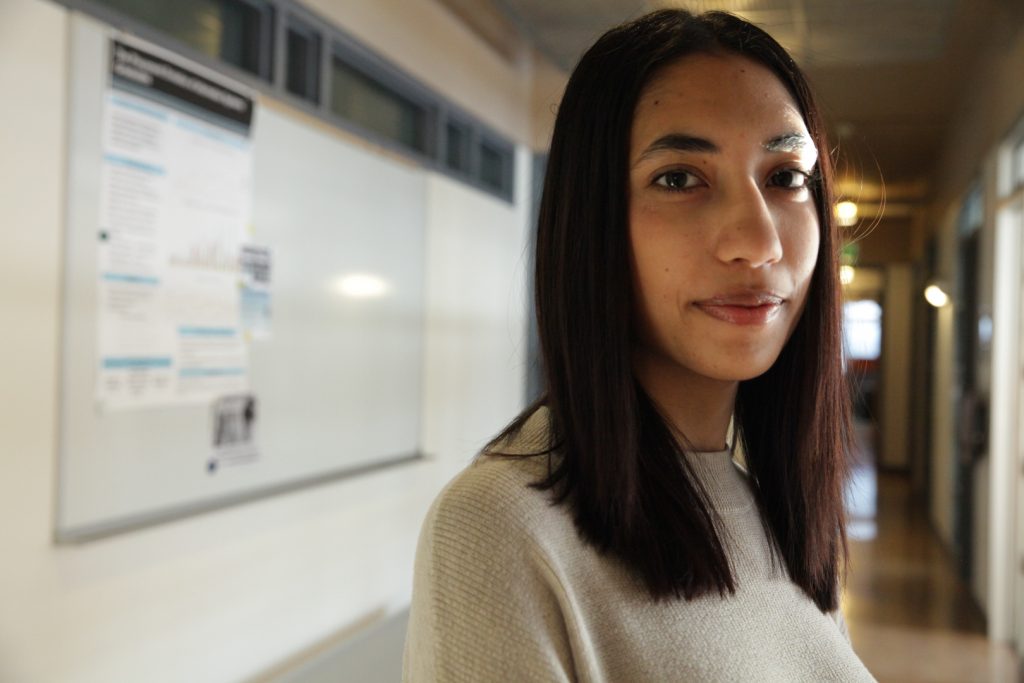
326 75
474 156
279 61
495 165
268 45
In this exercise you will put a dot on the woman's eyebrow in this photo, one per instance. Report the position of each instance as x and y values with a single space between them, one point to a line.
678 142
681 142
788 142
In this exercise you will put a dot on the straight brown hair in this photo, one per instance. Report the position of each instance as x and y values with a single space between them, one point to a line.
614 463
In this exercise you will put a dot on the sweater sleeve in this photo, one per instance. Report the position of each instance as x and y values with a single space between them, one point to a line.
484 605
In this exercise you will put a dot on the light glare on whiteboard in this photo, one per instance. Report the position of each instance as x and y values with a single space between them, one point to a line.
361 286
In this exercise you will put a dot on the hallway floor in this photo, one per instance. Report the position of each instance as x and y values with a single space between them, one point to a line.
910 618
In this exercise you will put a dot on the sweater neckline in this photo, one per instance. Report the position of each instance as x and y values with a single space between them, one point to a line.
724 480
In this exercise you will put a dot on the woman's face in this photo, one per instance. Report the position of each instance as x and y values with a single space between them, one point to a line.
722 224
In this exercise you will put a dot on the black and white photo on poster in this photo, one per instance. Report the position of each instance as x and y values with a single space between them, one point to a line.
234 428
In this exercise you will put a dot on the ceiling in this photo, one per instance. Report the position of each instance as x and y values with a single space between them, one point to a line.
889 73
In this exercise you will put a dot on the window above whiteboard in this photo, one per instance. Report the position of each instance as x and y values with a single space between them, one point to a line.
237 32
283 49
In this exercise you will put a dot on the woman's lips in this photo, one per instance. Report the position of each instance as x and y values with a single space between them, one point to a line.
753 309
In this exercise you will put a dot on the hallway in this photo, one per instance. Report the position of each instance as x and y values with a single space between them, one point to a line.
910 617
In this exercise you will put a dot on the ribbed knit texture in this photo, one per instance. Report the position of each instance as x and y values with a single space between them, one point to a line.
505 589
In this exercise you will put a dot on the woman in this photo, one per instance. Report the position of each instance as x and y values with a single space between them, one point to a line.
686 280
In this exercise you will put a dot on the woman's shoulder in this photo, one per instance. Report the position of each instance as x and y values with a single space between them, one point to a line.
485 596
498 491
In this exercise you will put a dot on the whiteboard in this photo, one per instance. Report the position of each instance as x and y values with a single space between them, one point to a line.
338 380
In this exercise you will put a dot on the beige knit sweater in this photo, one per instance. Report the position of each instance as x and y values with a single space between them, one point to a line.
506 590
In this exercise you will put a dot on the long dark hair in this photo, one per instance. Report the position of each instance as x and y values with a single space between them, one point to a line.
614 461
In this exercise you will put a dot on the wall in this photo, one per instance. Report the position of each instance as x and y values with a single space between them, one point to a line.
979 521
33 49
476 341
988 110
227 595
1004 430
477 78
943 436
895 390
944 396
548 85
982 518
888 241
430 43
885 245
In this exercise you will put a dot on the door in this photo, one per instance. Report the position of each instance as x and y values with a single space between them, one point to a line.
972 418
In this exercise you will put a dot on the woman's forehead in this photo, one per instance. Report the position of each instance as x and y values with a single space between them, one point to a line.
709 91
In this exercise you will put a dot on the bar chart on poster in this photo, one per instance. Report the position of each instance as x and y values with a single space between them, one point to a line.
243 298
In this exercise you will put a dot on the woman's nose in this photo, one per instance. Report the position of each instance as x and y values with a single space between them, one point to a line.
748 232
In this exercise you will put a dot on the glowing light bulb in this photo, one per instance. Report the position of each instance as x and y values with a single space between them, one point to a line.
846 213
935 296
846 274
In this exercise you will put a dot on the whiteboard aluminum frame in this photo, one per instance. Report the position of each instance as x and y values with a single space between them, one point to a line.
85 128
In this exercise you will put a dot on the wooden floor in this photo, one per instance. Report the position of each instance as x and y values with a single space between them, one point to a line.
911 619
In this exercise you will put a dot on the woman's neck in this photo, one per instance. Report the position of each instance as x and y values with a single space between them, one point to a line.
698 407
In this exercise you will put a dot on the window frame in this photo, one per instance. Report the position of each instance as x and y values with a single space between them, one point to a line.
293 23
390 79
448 121
268 9
506 154
282 15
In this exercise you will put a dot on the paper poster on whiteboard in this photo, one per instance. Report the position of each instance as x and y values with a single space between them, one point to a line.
255 291
176 196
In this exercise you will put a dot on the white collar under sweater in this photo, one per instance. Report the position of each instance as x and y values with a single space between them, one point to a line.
505 589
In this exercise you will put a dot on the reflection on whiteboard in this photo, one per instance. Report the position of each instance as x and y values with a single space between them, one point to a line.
175 200
234 431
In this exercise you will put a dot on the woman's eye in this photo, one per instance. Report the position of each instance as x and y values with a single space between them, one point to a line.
791 179
677 180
